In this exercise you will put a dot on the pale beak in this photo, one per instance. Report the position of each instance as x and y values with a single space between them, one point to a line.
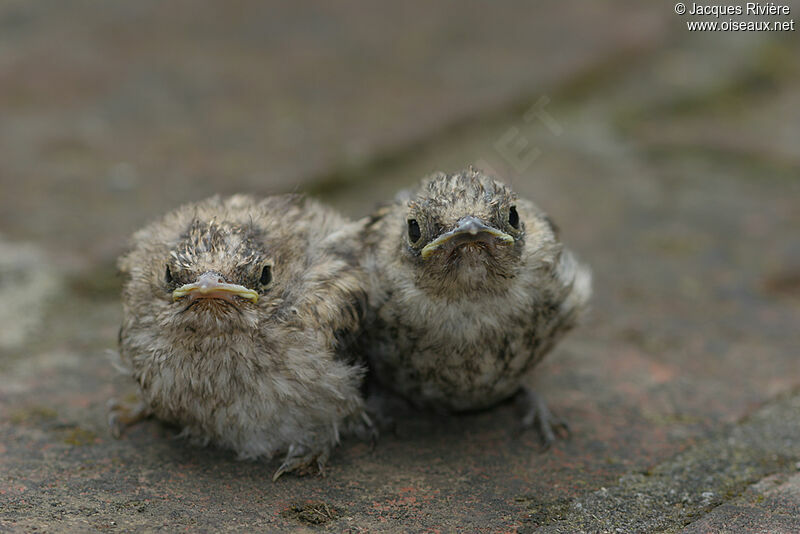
211 285
469 230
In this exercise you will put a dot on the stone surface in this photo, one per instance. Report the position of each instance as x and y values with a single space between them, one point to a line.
27 282
772 505
698 480
650 147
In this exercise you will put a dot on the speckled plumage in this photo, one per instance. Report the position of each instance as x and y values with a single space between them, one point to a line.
260 377
461 326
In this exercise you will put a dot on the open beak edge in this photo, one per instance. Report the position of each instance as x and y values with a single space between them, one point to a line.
469 229
211 285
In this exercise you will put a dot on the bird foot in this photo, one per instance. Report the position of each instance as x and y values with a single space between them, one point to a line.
123 415
302 460
384 407
362 427
538 415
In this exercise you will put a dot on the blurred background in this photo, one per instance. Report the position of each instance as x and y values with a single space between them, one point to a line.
669 158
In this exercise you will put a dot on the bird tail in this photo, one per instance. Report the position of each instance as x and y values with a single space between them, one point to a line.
578 279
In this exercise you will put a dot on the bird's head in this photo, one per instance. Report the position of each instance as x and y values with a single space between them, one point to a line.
207 269
220 269
464 235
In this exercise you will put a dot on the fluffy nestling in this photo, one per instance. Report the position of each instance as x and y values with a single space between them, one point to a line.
237 320
470 288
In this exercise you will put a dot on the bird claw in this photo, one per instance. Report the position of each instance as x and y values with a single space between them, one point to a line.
383 406
122 415
362 427
302 461
538 415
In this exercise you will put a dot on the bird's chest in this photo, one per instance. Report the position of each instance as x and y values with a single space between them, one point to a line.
187 381
457 355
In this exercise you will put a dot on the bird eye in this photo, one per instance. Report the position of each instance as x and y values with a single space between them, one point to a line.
513 217
168 276
266 275
414 233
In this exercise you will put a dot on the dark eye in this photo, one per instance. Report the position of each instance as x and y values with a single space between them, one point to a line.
266 275
513 217
168 276
414 232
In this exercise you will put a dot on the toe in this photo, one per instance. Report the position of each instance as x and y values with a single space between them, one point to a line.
302 461
538 415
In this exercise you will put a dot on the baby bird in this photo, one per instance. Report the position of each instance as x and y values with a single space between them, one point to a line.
471 287
238 317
